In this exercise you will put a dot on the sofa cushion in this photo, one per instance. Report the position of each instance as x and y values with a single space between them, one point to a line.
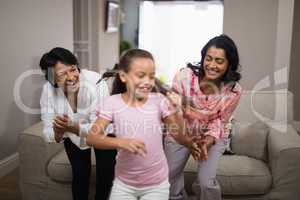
237 175
59 168
243 175
250 140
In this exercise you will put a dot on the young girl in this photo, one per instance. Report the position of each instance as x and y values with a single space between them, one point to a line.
213 92
137 114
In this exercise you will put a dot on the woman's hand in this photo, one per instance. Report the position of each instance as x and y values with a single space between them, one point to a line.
58 134
134 146
175 99
205 145
195 150
59 128
65 124
191 144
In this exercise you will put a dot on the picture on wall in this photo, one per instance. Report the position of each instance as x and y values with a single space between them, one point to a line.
112 17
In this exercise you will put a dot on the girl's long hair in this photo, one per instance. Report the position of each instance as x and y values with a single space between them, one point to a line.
124 65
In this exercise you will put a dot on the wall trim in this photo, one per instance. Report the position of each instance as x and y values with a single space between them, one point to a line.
8 164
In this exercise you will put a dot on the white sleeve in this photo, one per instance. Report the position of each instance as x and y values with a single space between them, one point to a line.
101 91
47 114
104 93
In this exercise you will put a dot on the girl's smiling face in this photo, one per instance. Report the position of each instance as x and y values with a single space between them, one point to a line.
140 79
215 64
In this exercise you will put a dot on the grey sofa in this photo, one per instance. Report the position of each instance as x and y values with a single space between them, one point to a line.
266 164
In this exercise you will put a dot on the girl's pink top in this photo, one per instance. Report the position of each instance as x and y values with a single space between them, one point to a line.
144 123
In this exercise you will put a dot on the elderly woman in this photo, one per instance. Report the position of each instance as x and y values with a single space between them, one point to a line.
67 103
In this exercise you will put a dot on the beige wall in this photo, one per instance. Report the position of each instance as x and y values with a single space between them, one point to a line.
104 46
28 29
294 84
253 24
100 49
95 34
284 34
108 42
263 31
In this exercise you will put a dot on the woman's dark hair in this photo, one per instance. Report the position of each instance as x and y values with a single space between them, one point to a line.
124 65
50 59
224 42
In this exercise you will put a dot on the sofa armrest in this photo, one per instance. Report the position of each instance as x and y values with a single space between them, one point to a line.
35 155
284 162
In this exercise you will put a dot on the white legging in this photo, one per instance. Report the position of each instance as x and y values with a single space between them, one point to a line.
122 191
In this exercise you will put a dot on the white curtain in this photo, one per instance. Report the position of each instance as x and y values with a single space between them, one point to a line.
175 32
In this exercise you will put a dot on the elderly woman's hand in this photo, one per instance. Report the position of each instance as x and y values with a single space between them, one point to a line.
65 124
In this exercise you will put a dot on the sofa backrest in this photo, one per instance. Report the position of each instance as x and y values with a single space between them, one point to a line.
271 107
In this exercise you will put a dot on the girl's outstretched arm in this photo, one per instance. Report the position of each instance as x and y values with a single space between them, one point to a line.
98 139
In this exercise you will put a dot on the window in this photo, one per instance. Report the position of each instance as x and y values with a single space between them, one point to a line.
175 32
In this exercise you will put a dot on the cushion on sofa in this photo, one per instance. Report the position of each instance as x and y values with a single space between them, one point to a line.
237 175
243 175
59 168
250 140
